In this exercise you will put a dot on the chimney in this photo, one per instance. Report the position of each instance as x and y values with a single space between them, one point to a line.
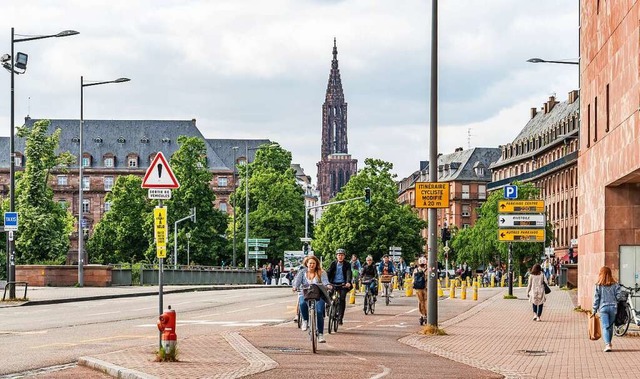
545 108
534 112
573 96
551 103
193 120
458 149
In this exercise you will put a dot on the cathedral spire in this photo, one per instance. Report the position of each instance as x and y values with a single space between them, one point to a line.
334 87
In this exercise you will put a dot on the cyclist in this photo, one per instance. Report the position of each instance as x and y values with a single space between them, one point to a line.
340 275
355 270
402 270
370 274
386 268
311 273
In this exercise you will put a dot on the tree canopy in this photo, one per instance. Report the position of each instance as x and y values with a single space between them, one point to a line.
363 229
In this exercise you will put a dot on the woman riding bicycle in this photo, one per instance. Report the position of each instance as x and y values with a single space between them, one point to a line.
369 275
310 274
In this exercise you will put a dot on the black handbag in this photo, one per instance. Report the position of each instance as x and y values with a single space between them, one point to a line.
547 290
316 292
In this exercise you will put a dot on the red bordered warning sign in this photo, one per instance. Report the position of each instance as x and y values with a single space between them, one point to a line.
159 174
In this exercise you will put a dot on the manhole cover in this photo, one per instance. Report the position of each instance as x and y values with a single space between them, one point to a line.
283 349
535 353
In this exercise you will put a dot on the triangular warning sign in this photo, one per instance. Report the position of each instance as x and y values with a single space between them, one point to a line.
159 174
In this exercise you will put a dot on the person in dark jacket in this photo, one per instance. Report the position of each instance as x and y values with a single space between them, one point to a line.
340 275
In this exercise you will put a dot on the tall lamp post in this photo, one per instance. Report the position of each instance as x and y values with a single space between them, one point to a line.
19 62
235 151
539 60
80 178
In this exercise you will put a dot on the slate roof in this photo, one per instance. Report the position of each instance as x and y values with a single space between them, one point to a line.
142 137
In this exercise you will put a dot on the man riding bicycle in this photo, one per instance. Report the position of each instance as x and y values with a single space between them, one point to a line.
386 268
340 277
369 275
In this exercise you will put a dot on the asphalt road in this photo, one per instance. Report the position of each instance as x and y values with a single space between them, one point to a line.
39 338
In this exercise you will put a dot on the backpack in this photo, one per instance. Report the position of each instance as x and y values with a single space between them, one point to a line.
622 316
419 282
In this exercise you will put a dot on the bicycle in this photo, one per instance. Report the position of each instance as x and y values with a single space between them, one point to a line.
369 303
630 310
386 283
334 320
312 294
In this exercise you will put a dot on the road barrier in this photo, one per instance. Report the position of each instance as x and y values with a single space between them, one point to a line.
189 275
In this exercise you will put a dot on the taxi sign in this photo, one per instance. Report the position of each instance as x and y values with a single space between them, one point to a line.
432 195
521 235
521 206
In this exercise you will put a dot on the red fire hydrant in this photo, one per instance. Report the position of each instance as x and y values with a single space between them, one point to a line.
167 325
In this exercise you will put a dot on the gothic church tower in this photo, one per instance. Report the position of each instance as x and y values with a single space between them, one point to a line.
335 166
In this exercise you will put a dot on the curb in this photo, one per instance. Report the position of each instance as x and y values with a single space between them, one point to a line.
113 370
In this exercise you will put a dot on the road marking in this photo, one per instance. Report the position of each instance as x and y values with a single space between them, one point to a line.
385 371
83 342
209 315
353 356
23 333
103 313
239 310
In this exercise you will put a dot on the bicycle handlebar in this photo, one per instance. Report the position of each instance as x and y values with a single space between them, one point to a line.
635 289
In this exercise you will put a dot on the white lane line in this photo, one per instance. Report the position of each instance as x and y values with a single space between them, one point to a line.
239 310
353 356
385 371
103 313
271 320
144 309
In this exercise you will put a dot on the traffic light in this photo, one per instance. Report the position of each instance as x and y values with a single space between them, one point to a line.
446 235
193 214
305 248
367 196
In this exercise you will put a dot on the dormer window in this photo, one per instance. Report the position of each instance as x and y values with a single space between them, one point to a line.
144 140
121 140
75 140
97 140
166 140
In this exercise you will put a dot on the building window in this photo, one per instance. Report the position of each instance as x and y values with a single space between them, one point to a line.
63 180
223 207
63 204
107 206
222 181
595 120
108 183
108 162
482 191
86 206
86 161
466 226
133 162
588 125
606 127
465 191
86 183
466 210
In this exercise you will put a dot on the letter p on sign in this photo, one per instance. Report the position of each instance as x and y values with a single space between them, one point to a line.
511 192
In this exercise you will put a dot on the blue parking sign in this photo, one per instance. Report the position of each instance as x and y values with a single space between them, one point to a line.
10 221
510 192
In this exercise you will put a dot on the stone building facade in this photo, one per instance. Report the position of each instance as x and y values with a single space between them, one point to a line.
545 153
609 160
123 147
336 165
468 174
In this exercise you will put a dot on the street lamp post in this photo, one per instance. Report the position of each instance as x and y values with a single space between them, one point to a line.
235 150
539 60
80 178
22 64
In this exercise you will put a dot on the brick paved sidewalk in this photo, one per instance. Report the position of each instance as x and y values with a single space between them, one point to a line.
499 335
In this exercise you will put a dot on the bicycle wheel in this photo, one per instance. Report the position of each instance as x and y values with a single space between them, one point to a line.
386 294
312 323
372 305
335 323
622 329
367 299
332 315
299 316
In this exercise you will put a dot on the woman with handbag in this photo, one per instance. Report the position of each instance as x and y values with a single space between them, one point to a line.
536 290
311 273
605 302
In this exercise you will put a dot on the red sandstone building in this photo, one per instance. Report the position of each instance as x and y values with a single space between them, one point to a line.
609 160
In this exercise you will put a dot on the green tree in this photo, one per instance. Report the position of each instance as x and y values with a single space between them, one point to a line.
208 244
276 201
45 224
120 235
479 245
369 229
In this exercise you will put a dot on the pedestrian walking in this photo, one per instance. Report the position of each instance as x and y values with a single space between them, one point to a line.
535 290
420 286
605 301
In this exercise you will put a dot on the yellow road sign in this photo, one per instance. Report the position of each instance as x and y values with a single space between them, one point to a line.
432 195
518 206
161 251
160 226
521 235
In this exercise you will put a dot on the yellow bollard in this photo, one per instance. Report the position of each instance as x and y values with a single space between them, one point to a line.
468 281
463 291
362 288
493 280
502 281
475 292
352 296
479 280
409 287
452 291
395 283
440 291
519 280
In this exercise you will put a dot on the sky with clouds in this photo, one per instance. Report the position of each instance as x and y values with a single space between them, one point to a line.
259 69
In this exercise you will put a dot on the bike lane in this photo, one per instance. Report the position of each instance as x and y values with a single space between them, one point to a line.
366 346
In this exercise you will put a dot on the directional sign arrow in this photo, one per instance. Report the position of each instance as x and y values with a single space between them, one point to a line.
502 220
